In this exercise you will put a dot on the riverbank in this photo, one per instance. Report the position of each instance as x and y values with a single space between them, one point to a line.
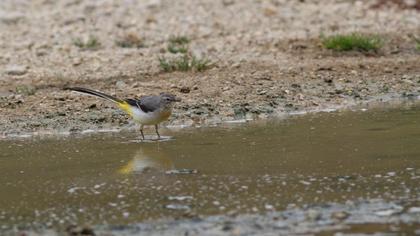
266 60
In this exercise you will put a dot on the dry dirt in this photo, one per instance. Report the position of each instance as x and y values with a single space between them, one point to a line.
267 59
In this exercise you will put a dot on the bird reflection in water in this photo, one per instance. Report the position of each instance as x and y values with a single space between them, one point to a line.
146 160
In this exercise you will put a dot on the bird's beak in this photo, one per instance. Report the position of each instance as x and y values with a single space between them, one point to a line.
177 99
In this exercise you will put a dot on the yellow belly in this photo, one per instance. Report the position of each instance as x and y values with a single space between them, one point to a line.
146 118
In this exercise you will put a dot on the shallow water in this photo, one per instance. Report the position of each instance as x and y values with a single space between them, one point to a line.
251 168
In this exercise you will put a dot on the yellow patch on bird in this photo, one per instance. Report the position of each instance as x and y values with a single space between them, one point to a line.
126 107
165 114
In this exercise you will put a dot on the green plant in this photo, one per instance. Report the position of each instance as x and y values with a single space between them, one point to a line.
200 64
174 48
179 40
178 44
90 43
417 44
354 41
184 63
165 64
25 90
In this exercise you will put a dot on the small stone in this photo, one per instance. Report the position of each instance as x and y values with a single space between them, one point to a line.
16 70
76 61
269 207
150 19
340 215
228 226
135 85
181 171
11 18
414 210
126 214
40 52
185 89
385 212
324 68
328 80
87 231
391 173
281 225
228 2
300 97
180 198
313 215
153 3
121 84
177 207
236 65
269 12
387 70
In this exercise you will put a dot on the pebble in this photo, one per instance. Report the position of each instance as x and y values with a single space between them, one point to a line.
77 61
387 70
385 212
281 225
10 18
121 84
414 210
313 215
179 198
181 171
236 65
269 207
16 70
177 207
185 89
340 215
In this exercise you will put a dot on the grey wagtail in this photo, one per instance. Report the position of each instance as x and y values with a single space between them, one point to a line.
147 110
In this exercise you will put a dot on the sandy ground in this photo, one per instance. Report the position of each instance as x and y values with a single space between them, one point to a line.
267 59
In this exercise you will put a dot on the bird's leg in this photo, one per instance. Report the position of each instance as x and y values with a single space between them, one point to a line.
141 131
157 132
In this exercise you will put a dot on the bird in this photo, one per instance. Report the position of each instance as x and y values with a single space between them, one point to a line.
147 110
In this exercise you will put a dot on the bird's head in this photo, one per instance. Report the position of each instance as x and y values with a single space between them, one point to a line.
168 99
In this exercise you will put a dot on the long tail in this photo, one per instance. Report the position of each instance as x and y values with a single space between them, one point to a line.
121 103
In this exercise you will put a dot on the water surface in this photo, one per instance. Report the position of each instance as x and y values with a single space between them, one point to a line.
251 168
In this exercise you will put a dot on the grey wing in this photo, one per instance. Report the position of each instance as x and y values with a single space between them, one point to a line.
149 103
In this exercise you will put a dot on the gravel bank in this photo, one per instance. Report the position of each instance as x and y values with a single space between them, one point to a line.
266 55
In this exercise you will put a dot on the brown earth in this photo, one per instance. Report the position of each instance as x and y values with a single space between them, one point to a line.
267 59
